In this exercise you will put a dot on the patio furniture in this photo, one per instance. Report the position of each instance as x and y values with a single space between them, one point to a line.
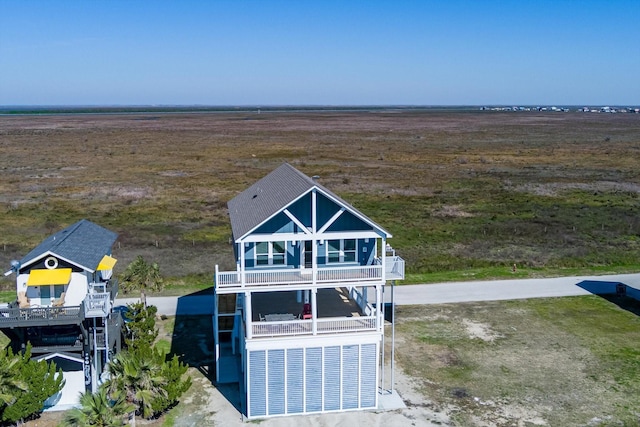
23 300
59 302
306 311
279 317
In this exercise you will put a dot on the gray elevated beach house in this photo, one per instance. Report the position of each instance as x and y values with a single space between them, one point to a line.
299 323
64 306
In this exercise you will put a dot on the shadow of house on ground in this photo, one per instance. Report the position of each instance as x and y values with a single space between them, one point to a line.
620 294
192 339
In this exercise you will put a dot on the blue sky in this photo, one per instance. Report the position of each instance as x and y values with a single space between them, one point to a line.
320 52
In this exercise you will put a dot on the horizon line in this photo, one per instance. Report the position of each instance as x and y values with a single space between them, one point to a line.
258 106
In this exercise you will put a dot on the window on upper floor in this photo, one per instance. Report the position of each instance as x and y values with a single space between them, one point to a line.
270 253
341 250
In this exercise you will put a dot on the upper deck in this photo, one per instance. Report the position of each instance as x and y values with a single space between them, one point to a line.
271 279
97 303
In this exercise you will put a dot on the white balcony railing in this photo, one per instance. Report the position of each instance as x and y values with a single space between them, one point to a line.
393 270
97 304
290 276
328 325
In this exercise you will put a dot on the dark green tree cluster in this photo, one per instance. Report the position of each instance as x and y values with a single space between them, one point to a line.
140 325
141 276
143 381
25 384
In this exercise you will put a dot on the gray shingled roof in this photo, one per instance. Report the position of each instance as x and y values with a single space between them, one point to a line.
272 194
83 244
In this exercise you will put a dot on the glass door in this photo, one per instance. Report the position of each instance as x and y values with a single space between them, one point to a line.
45 295
307 254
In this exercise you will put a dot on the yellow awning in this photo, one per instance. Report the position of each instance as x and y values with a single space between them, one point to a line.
58 276
107 263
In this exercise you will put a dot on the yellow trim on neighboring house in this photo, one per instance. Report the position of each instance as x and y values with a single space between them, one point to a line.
107 263
58 276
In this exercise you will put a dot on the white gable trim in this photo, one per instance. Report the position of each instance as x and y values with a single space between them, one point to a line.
341 203
355 212
296 221
50 253
333 219
66 356
243 237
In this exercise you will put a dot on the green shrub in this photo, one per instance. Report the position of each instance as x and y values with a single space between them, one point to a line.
147 379
42 381
141 329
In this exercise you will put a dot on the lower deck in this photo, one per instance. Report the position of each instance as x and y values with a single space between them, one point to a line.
331 302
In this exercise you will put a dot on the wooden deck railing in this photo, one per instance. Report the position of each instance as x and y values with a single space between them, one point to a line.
329 325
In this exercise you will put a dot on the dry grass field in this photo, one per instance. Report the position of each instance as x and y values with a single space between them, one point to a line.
466 194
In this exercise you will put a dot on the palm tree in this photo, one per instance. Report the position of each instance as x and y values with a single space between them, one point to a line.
98 410
141 275
10 384
136 377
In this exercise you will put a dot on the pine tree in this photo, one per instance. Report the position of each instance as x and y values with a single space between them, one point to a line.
141 328
11 386
172 370
42 380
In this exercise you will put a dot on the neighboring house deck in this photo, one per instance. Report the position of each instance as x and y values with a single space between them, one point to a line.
64 299
300 321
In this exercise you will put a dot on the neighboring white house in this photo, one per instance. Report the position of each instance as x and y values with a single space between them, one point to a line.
64 300
299 323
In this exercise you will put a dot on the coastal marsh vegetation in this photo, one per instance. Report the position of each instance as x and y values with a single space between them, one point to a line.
465 194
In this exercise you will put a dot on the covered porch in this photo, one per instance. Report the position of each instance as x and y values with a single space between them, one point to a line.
330 310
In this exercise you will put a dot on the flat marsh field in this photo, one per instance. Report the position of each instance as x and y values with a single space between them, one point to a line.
465 194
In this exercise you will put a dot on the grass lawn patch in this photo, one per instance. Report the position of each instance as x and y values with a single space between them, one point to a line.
564 361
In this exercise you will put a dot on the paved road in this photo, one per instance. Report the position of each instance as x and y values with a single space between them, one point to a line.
494 290
441 293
